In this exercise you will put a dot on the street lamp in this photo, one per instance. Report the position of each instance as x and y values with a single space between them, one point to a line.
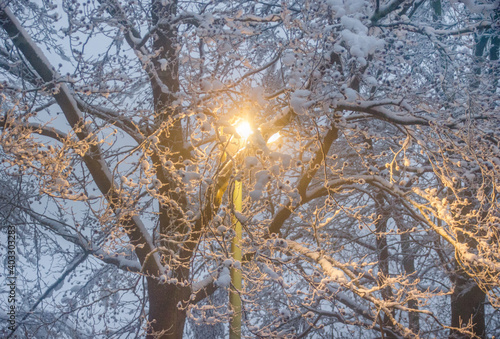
236 279
244 130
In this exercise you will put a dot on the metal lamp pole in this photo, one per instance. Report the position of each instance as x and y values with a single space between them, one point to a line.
244 130
234 296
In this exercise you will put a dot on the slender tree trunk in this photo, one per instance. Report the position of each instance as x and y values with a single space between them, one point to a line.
436 10
495 55
383 261
467 306
467 300
409 267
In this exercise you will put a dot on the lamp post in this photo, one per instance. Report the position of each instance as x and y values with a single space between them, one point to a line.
234 297
244 130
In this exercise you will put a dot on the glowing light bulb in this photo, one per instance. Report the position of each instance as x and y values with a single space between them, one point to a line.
244 129
274 137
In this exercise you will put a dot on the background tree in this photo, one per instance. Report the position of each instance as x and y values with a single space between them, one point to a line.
374 211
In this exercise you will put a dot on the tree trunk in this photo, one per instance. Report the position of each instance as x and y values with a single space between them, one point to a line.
383 263
165 318
167 314
467 306
436 10
409 267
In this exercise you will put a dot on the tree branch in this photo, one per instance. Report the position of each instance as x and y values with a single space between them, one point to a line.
113 118
98 168
61 229
49 290
305 180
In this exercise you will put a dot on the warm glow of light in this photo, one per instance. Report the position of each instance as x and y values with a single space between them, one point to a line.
244 130
274 137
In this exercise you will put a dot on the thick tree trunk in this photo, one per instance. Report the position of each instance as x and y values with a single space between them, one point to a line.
166 319
166 313
467 306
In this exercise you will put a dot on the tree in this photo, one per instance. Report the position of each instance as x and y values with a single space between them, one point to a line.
374 211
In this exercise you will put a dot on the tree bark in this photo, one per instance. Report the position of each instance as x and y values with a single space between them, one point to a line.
467 299
383 263
467 306
167 315
166 319
409 267
436 10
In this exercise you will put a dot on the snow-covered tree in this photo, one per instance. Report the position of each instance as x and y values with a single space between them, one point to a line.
370 176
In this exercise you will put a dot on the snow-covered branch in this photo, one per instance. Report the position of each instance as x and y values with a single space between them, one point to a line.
70 234
113 118
95 163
